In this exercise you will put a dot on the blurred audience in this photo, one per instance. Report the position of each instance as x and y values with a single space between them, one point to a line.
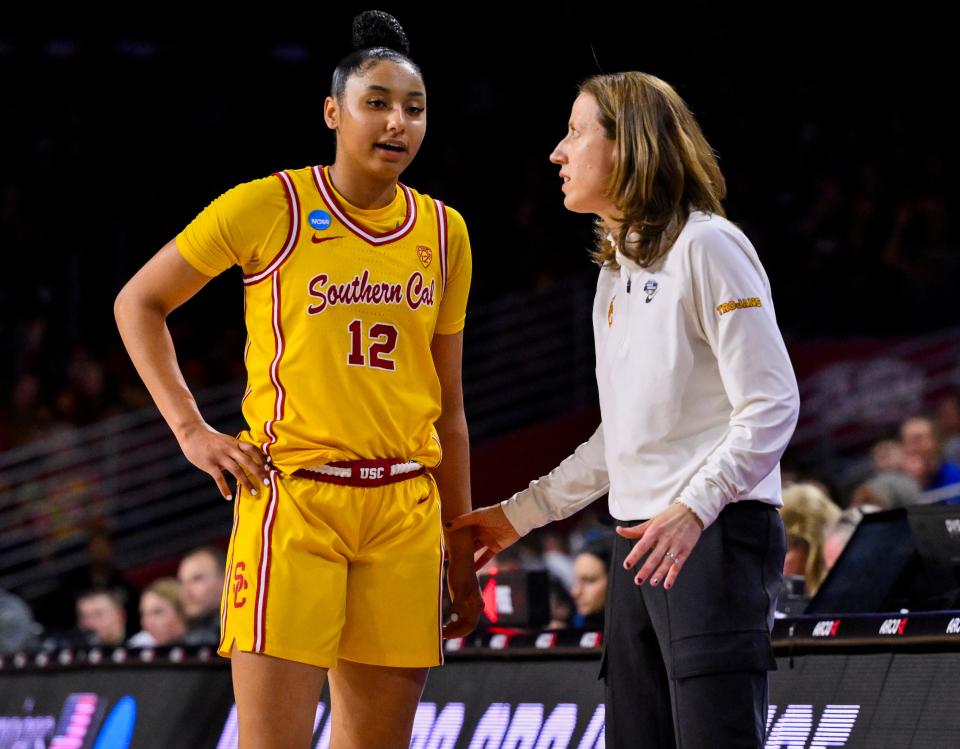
101 617
589 591
201 576
161 614
924 461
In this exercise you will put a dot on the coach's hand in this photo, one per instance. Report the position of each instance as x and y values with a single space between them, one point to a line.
668 538
214 452
492 532
466 603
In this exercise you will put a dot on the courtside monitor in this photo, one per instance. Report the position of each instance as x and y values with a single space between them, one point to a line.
900 559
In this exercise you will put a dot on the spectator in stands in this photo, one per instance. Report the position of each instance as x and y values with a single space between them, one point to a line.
201 576
162 615
807 513
923 449
589 591
101 617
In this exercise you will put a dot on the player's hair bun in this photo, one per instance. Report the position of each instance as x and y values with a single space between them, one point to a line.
374 28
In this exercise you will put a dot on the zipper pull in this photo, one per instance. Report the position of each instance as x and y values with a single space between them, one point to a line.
629 281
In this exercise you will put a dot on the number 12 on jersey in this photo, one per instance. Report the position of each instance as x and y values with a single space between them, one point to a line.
382 340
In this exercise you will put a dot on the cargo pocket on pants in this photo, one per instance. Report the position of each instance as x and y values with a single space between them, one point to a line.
722 652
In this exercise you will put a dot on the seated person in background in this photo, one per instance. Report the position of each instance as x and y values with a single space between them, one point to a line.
161 614
101 617
201 585
589 590
923 453
807 513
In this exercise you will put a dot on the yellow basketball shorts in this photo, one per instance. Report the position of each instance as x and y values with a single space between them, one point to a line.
318 572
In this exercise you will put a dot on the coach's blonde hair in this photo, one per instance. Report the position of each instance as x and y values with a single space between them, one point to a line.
663 166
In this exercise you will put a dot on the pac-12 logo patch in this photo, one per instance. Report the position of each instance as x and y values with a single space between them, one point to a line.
650 288
425 254
319 220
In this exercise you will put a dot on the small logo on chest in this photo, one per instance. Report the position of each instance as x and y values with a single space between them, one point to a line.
650 289
317 239
425 254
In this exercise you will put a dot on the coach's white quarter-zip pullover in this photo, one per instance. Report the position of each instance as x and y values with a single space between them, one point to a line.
698 398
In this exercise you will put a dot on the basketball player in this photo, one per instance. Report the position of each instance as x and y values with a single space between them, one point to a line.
355 296
698 402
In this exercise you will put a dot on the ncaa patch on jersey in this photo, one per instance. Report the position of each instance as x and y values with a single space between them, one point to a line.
425 254
319 220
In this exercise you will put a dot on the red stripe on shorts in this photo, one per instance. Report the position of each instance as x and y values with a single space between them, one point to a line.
228 578
263 571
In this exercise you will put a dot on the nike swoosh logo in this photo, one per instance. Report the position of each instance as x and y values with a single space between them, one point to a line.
317 240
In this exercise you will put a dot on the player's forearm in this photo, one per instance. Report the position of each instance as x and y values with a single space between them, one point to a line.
453 480
453 473
147 339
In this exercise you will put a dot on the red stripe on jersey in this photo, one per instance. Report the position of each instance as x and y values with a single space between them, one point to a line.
246 352
293 231
263 571
442 240
368 235
279 342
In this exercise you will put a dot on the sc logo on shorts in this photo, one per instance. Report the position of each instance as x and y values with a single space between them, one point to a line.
319 220
240 584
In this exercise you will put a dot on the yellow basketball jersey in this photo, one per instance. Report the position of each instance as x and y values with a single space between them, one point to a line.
341 305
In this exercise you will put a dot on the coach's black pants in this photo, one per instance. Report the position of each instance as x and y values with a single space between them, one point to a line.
687 667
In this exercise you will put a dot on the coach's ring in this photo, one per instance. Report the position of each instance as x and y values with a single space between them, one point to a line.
672 556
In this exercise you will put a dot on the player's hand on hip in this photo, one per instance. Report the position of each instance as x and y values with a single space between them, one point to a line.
667 540
492 532
213 453
466 603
